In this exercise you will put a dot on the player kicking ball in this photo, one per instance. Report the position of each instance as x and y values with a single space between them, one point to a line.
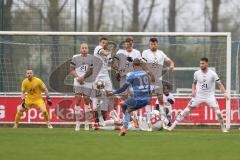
34 87
203 90
139 83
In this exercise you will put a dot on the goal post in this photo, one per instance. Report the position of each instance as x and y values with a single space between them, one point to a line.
22 49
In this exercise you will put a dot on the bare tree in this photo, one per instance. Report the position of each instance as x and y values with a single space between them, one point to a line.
172 16
8 60
135 26
99 20
54 9
91 15
135 16
149 15
215 15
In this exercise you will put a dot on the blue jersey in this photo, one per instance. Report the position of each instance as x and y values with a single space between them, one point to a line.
139 84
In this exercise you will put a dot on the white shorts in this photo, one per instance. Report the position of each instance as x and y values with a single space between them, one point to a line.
157 88
85 88
210 101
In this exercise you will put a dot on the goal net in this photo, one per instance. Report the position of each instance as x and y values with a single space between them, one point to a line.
49 54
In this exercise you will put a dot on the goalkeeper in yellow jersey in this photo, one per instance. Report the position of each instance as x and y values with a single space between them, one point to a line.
34 88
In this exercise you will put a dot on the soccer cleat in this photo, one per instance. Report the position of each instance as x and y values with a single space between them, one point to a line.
49 126
95 126
101 122
169 128
15 125
123 131
149 127
165 126
225 130
86 127
135 123
77 128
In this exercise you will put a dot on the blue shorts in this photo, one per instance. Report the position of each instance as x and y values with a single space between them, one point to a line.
136 104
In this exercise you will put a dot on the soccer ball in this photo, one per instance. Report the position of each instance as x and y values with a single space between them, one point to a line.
100 84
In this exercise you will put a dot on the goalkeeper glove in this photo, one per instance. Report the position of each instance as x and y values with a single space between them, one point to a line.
49 101
23 102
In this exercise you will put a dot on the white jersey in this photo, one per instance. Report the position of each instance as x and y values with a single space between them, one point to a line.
205 86
81 65
133 54
165 100
124 66
156 122
155 61
105 59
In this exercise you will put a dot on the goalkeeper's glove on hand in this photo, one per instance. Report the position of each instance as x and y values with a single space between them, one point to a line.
49 101
23 102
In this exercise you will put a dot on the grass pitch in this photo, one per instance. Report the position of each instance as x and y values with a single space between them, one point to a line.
66 144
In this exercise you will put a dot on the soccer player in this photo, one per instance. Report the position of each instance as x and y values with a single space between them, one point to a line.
115 124
123 65
168 100
155 59
81 69
104 54
203 90
125 58
139 83
34 87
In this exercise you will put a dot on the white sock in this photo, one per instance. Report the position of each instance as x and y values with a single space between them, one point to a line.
220 118
148 110
162 112
109 122
180 117
87 110
77 114
108 128
100 117
135 114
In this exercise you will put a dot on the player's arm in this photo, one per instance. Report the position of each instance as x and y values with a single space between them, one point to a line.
45 90
74 73
88 72
171 99
121 89
222 89
104 52
23 90
194 85
146 69
170 64
115 62
72 68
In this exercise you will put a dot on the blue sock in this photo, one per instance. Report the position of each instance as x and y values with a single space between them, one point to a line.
126 119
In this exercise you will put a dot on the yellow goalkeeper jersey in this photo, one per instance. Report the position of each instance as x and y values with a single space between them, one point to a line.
33 88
